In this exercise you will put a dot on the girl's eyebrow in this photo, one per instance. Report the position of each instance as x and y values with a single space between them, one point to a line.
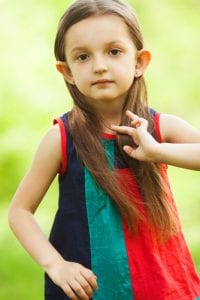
83 48
75 49
117 42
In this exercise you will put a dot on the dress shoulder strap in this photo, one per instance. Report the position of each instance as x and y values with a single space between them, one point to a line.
156 118
63 126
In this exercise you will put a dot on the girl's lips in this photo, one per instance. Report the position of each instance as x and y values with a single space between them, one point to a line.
102 81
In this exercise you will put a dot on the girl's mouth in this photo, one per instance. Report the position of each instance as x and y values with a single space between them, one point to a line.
102 82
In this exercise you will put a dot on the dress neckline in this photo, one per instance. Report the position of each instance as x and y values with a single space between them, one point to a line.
109 136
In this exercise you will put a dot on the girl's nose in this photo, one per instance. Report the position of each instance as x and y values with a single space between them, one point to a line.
99 65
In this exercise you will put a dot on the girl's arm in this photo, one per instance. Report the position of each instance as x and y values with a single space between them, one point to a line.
76 281
180 142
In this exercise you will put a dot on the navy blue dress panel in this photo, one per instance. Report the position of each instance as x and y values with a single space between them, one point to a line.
70 232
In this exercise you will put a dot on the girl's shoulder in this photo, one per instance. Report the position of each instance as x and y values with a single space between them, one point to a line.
47 159
51 152
50 143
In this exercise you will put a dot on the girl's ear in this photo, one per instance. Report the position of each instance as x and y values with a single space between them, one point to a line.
143 60
64 69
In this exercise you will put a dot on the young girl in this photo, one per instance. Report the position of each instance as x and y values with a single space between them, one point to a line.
116 233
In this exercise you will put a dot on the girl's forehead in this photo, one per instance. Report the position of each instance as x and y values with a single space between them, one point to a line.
97 28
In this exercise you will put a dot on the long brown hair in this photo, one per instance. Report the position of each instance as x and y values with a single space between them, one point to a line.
83 119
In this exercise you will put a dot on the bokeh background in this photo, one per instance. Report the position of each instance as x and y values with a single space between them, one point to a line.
32 93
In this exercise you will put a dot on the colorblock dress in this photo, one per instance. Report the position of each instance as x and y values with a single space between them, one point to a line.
89 229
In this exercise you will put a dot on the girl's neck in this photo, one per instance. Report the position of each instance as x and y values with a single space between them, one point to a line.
110 119
110 114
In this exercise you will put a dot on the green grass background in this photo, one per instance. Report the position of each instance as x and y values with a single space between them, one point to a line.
32 93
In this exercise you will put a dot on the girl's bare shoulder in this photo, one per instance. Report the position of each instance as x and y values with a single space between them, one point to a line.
49 149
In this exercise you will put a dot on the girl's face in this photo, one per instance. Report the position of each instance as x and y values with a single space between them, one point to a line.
101 58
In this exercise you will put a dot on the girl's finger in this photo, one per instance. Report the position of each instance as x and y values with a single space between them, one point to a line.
129 150
138 121
85 285
78 290
132 115
69 292
90 278
123 129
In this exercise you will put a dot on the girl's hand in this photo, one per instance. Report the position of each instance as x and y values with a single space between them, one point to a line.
76 281
146 146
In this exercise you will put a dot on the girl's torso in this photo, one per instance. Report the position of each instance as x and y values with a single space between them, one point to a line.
88 229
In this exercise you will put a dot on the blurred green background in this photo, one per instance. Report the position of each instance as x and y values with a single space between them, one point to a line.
32 93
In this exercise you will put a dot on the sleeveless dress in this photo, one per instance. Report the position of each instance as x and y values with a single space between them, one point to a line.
89 229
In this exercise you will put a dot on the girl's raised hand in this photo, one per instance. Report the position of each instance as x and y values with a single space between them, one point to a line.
75 280
145 146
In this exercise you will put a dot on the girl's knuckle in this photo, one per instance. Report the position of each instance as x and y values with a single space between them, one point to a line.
66 289
69 293
88 290
79 290
73 297
85 286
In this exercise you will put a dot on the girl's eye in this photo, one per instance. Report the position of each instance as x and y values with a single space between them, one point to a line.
114 52
82 57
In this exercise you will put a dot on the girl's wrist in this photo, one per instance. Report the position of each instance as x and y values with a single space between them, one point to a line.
47 266
156 155
163 153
